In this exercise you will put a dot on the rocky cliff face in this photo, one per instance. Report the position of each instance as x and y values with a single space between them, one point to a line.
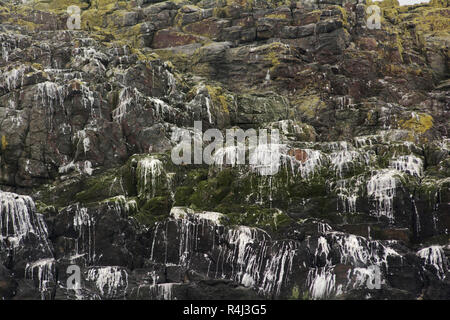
358 207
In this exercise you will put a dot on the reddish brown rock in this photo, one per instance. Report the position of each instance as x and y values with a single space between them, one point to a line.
208 28
172 38
299 154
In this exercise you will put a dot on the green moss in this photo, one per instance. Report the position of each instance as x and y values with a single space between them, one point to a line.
182 195
45 209
295 294
130 204
156 206
271 220
101 186
147 219
197 175
305 295
232 190
61 193
128 176
209 193
152 210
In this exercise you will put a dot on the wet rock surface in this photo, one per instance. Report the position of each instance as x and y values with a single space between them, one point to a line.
93 207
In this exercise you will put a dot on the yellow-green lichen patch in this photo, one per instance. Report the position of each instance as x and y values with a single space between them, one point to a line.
433 20
242 3
440 3
4 143
344 15
219 97
60 6
418 124
272 53
387 3
310 106
295 294
277 16
182 61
